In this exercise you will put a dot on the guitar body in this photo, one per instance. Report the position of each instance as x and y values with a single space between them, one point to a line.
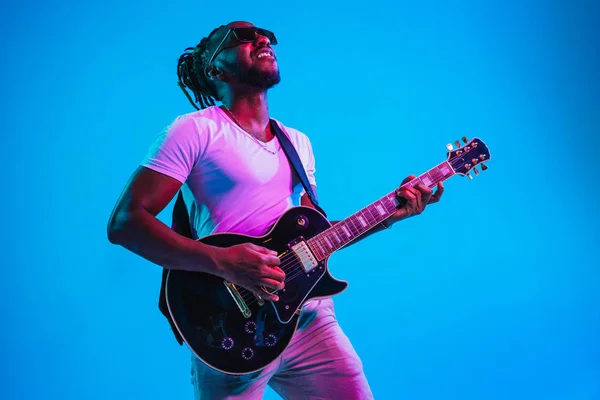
210 320
235 332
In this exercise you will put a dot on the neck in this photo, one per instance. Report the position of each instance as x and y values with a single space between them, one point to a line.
361 222
251 110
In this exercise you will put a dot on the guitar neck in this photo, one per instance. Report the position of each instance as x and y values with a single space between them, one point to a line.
359 223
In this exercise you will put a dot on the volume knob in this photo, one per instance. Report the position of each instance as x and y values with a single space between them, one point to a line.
247 353
227 343
270 340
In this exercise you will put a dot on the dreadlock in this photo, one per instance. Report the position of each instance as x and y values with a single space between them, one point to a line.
190 71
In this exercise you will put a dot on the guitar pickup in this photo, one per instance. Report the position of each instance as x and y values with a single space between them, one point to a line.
305 256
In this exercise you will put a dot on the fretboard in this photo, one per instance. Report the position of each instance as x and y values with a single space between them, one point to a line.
364 220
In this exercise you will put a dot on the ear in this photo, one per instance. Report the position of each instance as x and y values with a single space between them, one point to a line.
213 73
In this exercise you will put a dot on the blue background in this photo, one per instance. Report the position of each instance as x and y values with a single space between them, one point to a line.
491 294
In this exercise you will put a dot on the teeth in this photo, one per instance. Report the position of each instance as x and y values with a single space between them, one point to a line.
266 54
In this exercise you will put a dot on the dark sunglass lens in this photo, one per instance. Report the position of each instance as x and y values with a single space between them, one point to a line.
270 35
245 34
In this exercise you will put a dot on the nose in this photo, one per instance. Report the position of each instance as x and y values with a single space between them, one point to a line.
262 40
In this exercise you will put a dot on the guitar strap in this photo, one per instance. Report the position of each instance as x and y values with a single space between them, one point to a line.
181 219
295 162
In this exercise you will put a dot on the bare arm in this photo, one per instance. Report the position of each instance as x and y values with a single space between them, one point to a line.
133 225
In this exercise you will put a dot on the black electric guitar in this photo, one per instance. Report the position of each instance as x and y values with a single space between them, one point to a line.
234 330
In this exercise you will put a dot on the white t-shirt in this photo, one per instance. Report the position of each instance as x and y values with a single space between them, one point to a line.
231 183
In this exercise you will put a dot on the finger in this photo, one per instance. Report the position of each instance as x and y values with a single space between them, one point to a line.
273 261
406 193
265 295
408 179
262 250
418 202
268 259
409 194
438 193
425 192
274 273
271 284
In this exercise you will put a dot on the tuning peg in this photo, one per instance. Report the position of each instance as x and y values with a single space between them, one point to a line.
475 170
464 139
483 167
457 143
450 147
469 176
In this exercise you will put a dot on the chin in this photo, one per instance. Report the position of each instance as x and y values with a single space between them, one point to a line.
264 78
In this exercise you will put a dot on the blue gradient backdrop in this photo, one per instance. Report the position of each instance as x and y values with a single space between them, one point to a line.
491 294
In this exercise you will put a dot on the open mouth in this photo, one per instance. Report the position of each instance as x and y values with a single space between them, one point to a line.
265 54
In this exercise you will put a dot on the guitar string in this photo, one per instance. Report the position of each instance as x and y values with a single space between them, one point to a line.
291 261
294 267
369 219
355 232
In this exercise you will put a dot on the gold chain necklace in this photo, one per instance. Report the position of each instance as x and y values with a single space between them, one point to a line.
260 143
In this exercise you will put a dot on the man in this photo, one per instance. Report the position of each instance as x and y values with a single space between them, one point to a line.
235 178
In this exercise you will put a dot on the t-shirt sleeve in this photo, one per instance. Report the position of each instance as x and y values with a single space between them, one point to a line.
176 150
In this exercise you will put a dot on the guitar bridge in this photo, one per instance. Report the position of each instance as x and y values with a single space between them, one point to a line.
237 298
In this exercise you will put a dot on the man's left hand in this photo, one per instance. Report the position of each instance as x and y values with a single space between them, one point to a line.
414 199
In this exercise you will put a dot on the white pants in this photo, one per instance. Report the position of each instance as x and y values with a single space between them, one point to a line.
319 363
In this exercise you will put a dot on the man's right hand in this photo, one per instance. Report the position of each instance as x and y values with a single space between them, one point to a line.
251 267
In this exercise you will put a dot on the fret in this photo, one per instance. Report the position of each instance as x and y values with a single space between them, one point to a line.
326 239
346 231
349 228
436 175
313 246
335 236
374 214
350 224
322 249
427 180
355 225
363 220
381 208
446 170
390 202
358 227
341 233
367 214
322 244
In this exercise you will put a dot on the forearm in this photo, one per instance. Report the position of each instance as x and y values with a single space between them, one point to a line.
145 235
375 229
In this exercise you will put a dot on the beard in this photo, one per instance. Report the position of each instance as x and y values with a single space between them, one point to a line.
259 79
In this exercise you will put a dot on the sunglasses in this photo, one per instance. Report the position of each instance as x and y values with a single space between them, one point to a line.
244 35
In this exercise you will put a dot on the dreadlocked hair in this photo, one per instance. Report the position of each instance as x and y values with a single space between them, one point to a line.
190 71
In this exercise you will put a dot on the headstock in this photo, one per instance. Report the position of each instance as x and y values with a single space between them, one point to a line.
465 158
